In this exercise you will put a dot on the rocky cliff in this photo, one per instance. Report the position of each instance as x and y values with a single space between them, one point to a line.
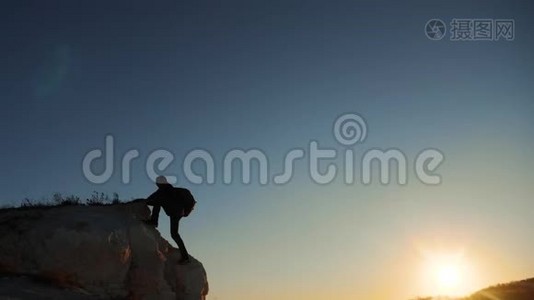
92 252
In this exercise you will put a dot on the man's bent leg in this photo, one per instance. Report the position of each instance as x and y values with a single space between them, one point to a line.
175 220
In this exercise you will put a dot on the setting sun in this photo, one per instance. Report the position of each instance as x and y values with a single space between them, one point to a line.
447 273
448 276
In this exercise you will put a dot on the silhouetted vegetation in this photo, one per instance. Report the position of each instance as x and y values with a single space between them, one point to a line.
97 199
58 199
517 290
27 202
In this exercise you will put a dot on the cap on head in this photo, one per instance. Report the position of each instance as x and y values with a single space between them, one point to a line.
161 180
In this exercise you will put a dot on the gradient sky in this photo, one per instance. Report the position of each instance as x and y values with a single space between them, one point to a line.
274 75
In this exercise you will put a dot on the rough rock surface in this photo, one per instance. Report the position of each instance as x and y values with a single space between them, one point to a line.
87 252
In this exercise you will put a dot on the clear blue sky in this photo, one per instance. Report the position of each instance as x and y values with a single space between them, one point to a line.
274 75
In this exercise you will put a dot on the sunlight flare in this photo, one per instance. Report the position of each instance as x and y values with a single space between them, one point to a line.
446 273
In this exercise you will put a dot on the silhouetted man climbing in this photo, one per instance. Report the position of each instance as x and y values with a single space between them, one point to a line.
177 203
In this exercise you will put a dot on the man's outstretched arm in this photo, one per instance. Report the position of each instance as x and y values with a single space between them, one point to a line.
154 200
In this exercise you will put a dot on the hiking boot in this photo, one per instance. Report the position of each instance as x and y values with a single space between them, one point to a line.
151 222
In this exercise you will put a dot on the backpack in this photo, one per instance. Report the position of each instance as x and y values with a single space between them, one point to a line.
187 200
